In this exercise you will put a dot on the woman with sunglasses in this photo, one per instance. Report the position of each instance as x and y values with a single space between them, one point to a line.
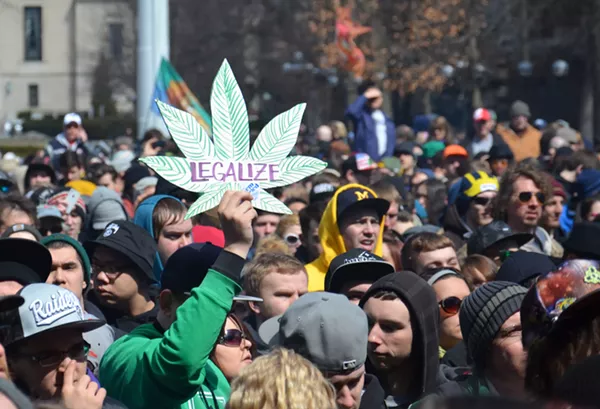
450 289
289 230
234 348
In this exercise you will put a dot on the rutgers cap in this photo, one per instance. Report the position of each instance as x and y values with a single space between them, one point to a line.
355 265
24 261
130 240
324 328
561 297
360 197
494 233
187 267
47 307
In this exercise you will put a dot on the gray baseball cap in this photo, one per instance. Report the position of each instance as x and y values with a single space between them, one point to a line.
47 307
325 328
105 206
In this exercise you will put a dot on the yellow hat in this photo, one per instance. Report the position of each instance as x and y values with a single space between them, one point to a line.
84 187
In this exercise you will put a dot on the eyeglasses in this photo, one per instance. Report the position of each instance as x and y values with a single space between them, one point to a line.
525 197
292 239
232 338
77 352
450 305
482 201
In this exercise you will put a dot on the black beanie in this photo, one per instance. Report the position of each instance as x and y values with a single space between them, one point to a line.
484 311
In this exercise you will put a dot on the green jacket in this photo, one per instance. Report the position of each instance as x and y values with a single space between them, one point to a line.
149 369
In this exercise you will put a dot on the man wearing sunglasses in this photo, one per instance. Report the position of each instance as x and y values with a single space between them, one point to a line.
522 196
45 347
470 205
165 363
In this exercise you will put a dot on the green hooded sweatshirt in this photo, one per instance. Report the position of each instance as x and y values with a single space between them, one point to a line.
149 368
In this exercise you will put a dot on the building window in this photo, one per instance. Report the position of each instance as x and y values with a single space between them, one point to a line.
33 33
33 95
115 39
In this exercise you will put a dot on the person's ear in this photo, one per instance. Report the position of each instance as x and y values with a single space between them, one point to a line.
579 169
166 301
349 175
84 285
254 307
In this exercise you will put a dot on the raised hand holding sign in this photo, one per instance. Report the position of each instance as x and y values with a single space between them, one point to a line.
226 162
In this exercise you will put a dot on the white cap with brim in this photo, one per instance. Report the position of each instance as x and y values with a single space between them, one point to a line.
72 117
46 308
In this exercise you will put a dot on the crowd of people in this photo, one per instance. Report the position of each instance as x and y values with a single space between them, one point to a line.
420 269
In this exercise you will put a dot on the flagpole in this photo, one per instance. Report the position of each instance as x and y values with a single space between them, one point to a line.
153 45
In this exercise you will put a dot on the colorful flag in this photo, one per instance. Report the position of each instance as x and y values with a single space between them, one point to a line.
171 89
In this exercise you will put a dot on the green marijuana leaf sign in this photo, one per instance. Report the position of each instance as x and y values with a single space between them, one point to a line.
225 163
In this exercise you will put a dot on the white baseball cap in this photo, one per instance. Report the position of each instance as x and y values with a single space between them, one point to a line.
72 117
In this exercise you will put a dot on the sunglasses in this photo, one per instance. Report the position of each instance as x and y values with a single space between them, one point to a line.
482 201
232 338
450 305
292 239
525 197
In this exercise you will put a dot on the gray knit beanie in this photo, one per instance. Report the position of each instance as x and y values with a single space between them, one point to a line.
484 311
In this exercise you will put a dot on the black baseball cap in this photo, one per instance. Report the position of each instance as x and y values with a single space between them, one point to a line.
187 267
493 234
321 192
24 261
356 197
130 240
355 265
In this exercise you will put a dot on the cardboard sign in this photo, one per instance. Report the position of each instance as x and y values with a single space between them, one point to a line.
226 162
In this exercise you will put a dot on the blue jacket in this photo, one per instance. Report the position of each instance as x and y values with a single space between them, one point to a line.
60 145
365 139
143 218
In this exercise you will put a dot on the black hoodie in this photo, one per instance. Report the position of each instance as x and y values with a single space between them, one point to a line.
422 304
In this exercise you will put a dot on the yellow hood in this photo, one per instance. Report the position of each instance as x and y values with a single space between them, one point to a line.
332 241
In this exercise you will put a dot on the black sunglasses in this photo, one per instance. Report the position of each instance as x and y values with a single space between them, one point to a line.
482 201
450 305
525 197
232 338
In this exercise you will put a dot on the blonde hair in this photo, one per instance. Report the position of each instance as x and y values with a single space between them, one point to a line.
286 222
263 264
272 244
339 130
281 380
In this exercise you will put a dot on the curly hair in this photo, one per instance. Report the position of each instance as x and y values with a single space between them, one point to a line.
281 380
506 190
